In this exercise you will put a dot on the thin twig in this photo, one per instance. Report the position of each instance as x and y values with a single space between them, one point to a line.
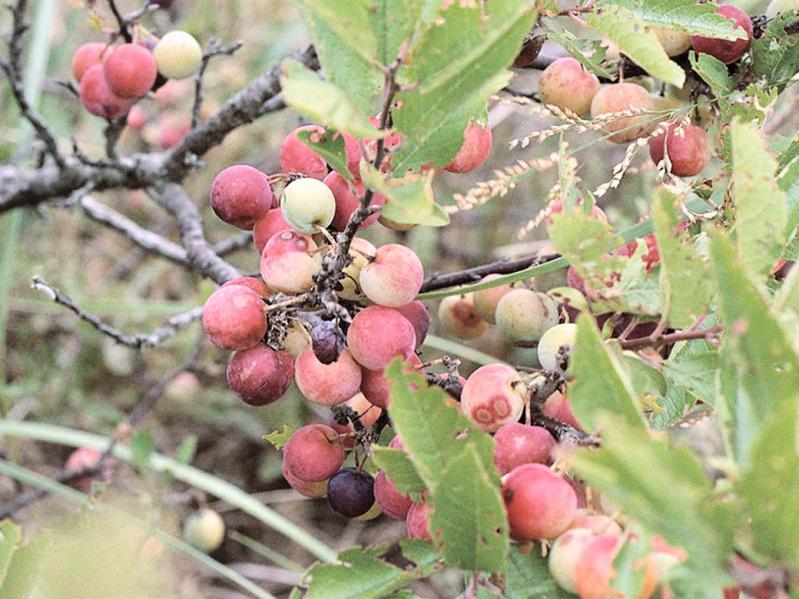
213 49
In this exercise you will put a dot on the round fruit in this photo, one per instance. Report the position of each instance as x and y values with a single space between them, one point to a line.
84 458
289 262
594 569
234 317
557 406
417 315
312 489
564 555
516 444
347 202
477 140
394 504
417 522
377 335
551 342
673 42
686 146
240 195
523 315
621 98
253 283
260 375
486 300
267 227
178 55
360 253
459 318
130 70
85 57
327 384
204 530
96 96
313 453
599 524
492 396
308 204
376 387
568 85
393 277
350 492
296 157
727 51
297 339
540 503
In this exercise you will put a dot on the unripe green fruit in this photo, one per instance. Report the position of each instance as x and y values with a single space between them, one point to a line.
561 335
178 55
307 204
204 530
778 6
524 315
673 42
569 297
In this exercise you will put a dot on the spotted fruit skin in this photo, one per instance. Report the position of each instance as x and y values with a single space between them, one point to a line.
490 398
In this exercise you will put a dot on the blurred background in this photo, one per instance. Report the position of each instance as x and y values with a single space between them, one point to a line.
58 370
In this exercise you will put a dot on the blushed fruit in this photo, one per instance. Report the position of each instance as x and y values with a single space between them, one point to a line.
313 453
564 554
393 277
234 318
394 504
347 202
289 262
366 410
417 315
376 387
377 335
360 251
84 458
327 384
568 85
266 227
354 154
178 55
260 375
136 118
172 129
477 140
184 387
557 406
622 98
312 489
256 285
673 42
599 524
523 315
655 566
727 51
130 70
240 195
87 56
687 148
96 96
308 204
540 503
486 300
595 570
204 530
417 522
296 157
458 317
516 444
560 336
492 396
350 492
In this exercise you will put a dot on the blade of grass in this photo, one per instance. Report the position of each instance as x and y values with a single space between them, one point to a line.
453 348
266 552
188 474
38 481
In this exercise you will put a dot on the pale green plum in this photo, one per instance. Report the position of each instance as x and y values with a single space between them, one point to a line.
307 204
524 315
204 530
178 55
561 335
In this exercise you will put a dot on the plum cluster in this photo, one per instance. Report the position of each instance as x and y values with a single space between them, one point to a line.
113 78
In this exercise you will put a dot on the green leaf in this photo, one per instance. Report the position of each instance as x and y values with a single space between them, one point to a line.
684 280
695 373
142 447
186 450
712 71
455 461
760 205
770 488
323 102
280 437
330 146
10 538
760 353
453 69
528 577
394 22
686 16
601 384
409 200
664 487
634 289
347 49
361 573
775 54
637 41
591 58
400 470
